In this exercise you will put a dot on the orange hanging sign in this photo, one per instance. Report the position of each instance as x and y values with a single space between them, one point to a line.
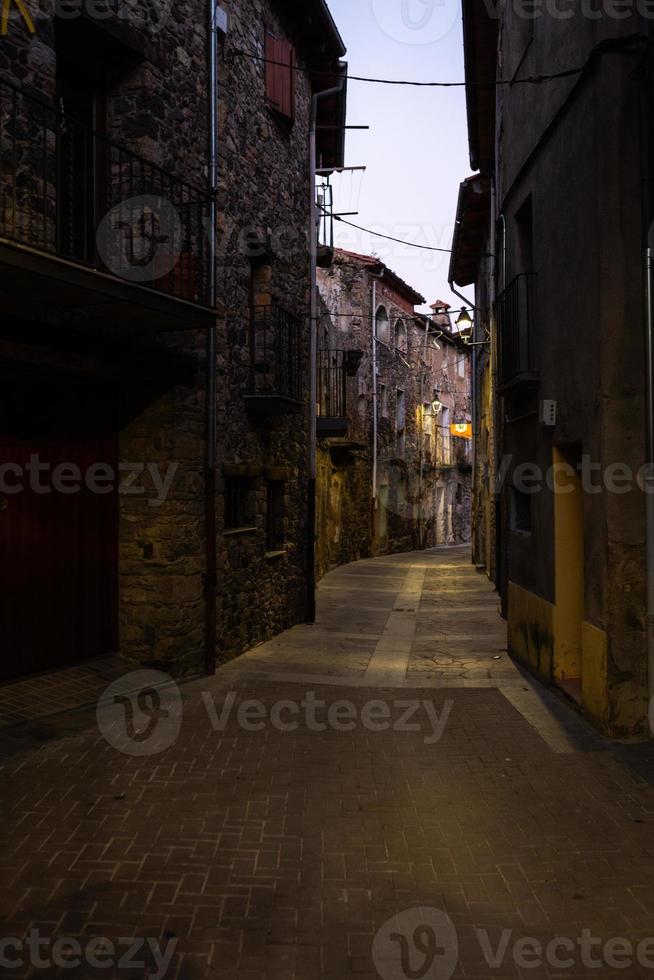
462 429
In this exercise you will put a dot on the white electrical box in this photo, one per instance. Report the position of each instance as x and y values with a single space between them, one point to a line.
221 20
548 412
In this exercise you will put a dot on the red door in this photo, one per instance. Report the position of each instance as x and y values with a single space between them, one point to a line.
58 534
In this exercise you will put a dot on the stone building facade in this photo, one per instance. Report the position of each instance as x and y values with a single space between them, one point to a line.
107 310
559 260
391 476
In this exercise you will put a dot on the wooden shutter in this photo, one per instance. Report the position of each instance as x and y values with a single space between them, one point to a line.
280 81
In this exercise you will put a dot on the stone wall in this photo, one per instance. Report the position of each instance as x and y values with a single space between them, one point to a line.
264 207
157 107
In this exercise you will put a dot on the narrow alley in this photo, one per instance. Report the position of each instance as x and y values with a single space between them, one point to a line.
381 794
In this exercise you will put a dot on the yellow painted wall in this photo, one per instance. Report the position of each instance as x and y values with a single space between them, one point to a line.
533 641
531 630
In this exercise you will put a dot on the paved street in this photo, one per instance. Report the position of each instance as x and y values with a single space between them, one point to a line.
393 759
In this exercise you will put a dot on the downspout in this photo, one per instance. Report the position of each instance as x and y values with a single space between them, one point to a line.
491 279
375 405
501 552
211 575
375 423
310 603
648 235
649 495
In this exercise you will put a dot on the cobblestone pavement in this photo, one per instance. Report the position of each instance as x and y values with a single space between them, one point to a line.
439 816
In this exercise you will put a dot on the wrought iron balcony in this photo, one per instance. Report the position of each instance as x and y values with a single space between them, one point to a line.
334 368
70 192
515 327
275 361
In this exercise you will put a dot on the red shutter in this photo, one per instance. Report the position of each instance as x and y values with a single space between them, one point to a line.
272 93
280 81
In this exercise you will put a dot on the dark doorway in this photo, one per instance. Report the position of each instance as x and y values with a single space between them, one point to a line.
58 532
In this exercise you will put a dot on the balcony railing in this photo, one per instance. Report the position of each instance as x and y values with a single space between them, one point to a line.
275 354
68 191
515 327
332 384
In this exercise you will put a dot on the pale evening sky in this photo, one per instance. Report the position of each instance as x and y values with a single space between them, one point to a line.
416 150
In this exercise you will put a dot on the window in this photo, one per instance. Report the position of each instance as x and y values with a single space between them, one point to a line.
383 401
400 421
428 428
280 80
446 437
520 511
275 537
461 365
382 326
239 502
401 337
524 227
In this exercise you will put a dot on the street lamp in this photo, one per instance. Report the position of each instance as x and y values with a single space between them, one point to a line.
464 320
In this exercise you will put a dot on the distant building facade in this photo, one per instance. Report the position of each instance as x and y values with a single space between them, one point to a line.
392 383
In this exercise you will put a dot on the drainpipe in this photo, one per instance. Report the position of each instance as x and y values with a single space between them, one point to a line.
649 496
211 574
647 215
375 423
310 605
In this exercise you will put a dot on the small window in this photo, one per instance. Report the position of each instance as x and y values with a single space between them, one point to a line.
446 437
461 365
280 75
520 511
400 423
239 502
382 326
275 538
383 401
401 341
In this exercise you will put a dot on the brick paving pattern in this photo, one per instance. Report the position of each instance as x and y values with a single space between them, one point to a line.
30 698
278 855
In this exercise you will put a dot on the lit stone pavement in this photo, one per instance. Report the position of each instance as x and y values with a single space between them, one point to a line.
496 837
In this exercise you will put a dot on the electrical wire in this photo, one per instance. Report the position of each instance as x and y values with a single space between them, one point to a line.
389 238
528 80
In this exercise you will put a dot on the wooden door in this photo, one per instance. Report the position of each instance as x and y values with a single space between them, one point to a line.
58 535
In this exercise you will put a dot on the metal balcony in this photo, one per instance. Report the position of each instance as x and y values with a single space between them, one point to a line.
275 385
332 392
75 198
334 368
514 312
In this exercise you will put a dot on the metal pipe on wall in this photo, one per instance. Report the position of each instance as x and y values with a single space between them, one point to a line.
211 572
375 423
649 496
646 163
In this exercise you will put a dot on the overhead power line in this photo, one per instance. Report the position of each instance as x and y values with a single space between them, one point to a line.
400 241
528 80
